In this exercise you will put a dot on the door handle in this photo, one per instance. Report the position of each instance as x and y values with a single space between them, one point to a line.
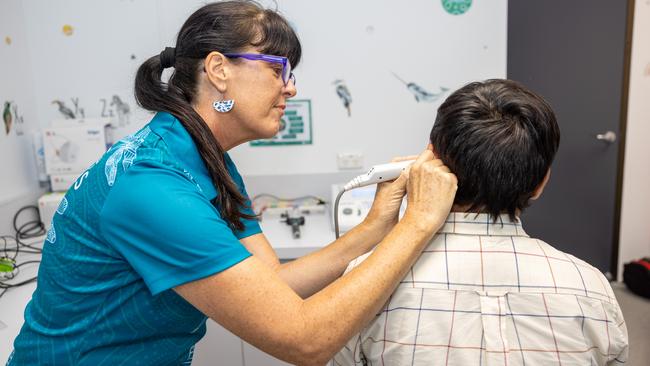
609 137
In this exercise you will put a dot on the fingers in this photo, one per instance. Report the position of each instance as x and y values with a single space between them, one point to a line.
430 147
436 163
442 166
403 158
426 155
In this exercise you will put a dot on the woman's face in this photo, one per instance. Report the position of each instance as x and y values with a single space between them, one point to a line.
260 96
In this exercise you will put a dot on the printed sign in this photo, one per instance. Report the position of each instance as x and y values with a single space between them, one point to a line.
295 126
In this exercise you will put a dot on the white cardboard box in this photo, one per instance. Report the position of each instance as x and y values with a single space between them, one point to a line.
72 147
47 206
61 182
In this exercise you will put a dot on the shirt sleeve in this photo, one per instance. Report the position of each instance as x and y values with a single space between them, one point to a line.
251 227
167 230
621 342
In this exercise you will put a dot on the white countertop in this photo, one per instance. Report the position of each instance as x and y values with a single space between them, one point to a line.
315 234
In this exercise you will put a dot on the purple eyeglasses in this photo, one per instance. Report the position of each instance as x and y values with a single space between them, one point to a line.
286 65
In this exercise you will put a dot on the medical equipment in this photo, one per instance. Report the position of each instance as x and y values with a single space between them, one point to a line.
47 206
292 211
376 174
295 220
353 207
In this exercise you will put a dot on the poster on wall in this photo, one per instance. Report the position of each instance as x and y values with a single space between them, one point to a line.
295 126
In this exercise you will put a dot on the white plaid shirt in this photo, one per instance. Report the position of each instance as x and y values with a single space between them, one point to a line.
488 294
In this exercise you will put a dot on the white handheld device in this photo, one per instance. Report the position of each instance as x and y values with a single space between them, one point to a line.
378 173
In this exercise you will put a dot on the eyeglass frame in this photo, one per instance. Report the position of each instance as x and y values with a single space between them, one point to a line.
287 74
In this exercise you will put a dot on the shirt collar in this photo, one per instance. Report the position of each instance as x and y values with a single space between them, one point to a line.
481 224
182 147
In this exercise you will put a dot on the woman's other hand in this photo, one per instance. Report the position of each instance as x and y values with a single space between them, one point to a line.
431 189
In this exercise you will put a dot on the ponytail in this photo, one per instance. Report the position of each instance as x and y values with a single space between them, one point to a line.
153 94
226 26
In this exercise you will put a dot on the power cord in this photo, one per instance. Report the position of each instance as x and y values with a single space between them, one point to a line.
13 245
336 213
275 201
29 229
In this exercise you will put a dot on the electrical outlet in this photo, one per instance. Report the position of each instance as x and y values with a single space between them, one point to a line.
349 160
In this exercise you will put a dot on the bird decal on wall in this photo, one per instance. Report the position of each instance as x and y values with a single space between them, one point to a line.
7 117
420 94
344 94
123 110
64 110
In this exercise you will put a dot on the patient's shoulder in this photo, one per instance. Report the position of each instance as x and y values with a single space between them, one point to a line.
571 274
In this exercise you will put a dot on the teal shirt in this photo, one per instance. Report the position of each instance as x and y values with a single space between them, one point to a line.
136 224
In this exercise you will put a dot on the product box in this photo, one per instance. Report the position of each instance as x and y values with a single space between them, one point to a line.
62 182
71 147
47 206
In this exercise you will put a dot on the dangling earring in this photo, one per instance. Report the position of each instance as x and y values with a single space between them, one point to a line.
223 106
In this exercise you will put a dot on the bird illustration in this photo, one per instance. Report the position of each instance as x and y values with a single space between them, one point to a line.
420 93
7 117
65 111
123 110
19 121
344 94
125 150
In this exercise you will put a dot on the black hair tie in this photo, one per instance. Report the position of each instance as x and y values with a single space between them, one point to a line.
168 57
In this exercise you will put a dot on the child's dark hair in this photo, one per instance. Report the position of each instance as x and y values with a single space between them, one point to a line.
499 138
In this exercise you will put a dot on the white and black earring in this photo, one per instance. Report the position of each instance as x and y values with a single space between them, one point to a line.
223 106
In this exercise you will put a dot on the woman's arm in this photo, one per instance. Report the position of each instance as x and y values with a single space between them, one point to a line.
311 273
252 301
308 274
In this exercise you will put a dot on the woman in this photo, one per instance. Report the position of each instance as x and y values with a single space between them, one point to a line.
158 235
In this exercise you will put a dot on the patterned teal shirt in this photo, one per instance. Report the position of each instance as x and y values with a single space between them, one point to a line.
133 226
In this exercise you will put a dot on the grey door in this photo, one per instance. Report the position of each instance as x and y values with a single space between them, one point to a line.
573 53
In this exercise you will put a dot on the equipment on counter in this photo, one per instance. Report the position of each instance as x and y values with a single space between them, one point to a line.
376 174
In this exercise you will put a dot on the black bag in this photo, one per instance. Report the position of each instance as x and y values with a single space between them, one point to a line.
636 276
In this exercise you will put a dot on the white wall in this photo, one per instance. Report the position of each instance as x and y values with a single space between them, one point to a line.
635 231
18 183
361 42
42 64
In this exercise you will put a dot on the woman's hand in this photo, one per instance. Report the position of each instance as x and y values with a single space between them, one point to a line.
383 214
431 190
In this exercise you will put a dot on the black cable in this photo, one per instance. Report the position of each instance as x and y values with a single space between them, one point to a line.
6 250
12 285
4 284
28 262
30 229
30 246
17 246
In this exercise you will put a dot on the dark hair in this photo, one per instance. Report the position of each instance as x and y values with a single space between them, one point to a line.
229 26
499 138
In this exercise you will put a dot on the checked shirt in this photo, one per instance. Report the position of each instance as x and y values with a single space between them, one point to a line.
485 293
